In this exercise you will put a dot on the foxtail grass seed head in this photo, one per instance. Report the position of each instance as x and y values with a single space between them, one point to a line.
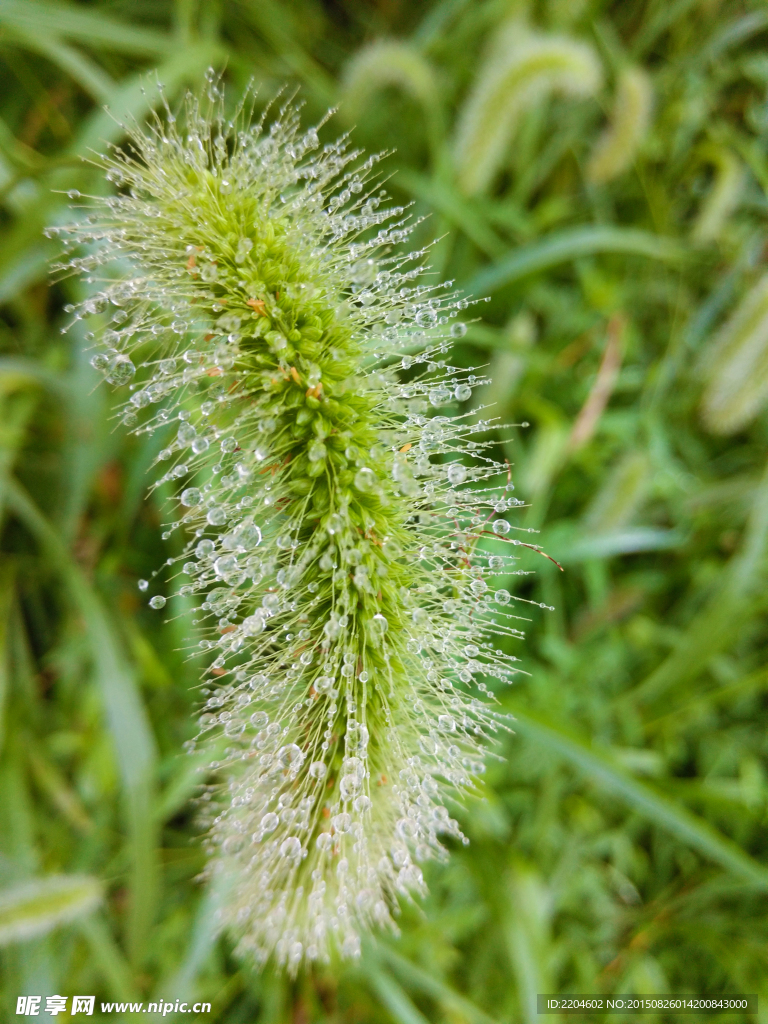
734 365
388 62
251 296
723 197
522 68
630 120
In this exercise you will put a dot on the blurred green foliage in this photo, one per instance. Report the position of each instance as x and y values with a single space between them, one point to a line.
617 223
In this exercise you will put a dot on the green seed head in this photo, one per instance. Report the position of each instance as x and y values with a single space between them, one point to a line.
271 328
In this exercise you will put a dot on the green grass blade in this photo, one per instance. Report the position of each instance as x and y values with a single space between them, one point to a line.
87 73
600 766
416 977
276 23
400 1007
204 933
51 782
34 908
73 21
131 733
107 956
712 629
578 546
27 268
570 244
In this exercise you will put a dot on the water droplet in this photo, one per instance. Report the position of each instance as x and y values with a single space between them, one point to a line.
365 480
200 445
462 392
290 755
269 822
426 317
217 516
318 769
335 523
100 361
501 527
143 584
259 719
187 433
363 272
362 804
229 444
316 451
438 396
458 331
121 370
379 625
191 496
502 597
324 841
409 827
457 473
225 565
349 786
204 548
253 625
342 822
291 849
158 601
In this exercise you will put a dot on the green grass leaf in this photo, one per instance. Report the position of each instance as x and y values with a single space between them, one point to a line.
421 980
600 767
34 908
570 244
129 726
93 27
400 1007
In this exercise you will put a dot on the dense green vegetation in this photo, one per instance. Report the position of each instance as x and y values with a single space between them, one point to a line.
610 197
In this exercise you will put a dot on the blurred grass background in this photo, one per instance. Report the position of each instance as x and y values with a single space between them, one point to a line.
599 168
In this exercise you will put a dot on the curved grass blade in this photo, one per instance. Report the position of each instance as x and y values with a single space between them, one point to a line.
423 981
570 244
600 767
34 908
107 957
86 26
393 997
713 628
86 72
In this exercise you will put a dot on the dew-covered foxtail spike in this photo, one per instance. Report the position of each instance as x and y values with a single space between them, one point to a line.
255 302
